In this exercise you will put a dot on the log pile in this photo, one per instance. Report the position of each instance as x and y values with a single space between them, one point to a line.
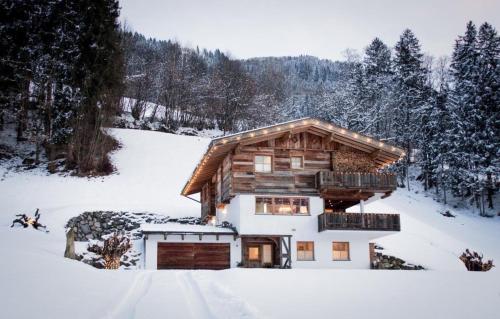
474 261
351 160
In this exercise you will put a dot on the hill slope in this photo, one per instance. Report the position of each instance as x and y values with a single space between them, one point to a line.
152 168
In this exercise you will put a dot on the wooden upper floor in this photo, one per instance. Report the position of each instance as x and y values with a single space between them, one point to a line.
305 157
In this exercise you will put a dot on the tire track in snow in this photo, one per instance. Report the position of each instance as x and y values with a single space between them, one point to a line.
125 308
194 295
222 301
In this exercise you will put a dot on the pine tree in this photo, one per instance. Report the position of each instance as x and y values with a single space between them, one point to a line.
461 103
410 95
378 77
486 113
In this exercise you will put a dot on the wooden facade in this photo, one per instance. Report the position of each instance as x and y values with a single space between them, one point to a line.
334 163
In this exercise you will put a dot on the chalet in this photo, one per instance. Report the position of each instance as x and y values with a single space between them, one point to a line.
285 190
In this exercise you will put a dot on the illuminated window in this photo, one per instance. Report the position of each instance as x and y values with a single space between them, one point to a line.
263 205
263 164
282 205
305 250
253 253
340 250
296 162
300 206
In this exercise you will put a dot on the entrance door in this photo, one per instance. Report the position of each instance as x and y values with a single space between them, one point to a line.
267 254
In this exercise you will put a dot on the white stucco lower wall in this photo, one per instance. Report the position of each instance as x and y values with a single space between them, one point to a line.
151 246
241 213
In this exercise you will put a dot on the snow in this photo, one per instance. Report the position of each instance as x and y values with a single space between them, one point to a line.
37 282
183 228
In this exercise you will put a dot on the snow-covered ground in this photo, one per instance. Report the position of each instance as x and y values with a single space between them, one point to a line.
37 282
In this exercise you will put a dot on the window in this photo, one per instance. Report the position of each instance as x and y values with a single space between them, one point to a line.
296 162
305 250
263 164
282 205
253 253
340 250
263 205
300 206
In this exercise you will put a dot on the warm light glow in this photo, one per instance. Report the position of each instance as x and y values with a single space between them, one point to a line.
403 154
380 144
213 220
291 125
252 134
278 129
393 148
330 127
305 121
265 131
355 135
317 122
224 141
342 131
238 138
368 139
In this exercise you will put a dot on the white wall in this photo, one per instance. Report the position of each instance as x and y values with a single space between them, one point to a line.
150 260
241 213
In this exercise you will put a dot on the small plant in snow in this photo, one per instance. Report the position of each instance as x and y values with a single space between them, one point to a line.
474 262
113 248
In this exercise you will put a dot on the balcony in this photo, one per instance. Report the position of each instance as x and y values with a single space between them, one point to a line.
358 221
327 181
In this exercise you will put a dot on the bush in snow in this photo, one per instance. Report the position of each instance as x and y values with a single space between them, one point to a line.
113 248
474 262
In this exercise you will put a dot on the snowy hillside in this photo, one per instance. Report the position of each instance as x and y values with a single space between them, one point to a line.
37 282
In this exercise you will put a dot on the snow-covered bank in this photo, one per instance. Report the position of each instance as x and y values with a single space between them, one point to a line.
37 282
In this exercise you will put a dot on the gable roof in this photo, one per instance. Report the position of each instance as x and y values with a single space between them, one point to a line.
385 154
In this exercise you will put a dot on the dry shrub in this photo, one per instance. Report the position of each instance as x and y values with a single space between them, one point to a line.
474 261
113 248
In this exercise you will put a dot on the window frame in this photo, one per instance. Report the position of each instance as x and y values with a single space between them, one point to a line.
255 163
291 199
313 258
301 162
348 250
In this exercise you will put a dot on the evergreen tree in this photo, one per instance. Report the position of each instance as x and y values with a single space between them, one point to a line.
410 94
378 77
486 113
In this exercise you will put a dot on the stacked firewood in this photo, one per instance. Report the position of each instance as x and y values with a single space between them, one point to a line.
474 261
350 160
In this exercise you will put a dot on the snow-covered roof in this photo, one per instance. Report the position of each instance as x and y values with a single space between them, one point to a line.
184 228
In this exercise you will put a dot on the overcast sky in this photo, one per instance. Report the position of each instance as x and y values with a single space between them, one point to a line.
323 28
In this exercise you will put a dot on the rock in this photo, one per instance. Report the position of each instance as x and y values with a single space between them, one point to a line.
85 229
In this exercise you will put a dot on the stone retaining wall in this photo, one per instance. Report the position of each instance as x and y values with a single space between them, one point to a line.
94 225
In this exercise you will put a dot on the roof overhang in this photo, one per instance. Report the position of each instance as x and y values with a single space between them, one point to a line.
383 153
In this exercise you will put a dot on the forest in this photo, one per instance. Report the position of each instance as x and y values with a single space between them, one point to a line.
65 66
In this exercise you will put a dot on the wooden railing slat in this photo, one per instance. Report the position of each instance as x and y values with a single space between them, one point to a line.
358 221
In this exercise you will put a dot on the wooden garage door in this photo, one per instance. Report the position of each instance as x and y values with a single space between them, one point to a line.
193 256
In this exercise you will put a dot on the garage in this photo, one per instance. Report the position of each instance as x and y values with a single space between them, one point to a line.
193 256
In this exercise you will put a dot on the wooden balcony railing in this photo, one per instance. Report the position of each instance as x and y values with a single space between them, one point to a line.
358 221
327 180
